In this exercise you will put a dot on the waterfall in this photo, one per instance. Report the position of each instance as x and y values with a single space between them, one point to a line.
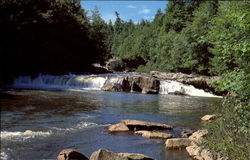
59 82
96 82
169 86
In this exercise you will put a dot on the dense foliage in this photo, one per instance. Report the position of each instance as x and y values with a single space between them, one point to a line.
52 36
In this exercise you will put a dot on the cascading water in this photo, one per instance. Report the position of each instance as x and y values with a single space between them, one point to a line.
168 87
60 82
96 82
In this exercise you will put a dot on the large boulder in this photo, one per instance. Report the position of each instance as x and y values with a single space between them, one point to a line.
144 125
177 143
119 127
153 134
103 154
144 84
70 154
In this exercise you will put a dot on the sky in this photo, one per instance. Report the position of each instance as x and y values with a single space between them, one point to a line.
135 10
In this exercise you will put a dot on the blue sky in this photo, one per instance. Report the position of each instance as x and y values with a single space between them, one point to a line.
135 10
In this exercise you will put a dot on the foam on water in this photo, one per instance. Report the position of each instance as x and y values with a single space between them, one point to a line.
59 82
23 135
3 156
167 87
79 126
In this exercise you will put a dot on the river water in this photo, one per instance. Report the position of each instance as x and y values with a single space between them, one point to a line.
41 116
38 124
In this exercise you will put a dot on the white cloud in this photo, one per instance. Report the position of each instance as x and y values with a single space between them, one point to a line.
131 6
145 11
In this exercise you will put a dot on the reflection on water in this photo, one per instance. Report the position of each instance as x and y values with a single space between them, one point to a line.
38 124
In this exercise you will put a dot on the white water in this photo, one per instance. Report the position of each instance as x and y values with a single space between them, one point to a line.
60 82
23 135
82 82
168 86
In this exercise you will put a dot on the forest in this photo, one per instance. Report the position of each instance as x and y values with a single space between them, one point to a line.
194 37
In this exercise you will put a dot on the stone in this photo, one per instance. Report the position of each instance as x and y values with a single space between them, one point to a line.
103 154
201 82
70 154
208 117
149 91
175 143
144 125
186 134
193 150
135 156
119 127
152 134
197 136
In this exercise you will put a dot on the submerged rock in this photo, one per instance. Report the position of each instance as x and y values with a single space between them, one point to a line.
208 117
70 154
144 125
103 154
152 134
177 143
119 127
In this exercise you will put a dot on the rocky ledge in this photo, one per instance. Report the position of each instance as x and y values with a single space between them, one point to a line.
201 82
135 125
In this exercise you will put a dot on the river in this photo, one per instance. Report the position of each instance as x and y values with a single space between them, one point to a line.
38 124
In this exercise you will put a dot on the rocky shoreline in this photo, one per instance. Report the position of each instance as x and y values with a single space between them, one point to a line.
190 141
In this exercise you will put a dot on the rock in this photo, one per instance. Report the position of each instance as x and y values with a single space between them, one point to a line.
152 134
140 83
201 82
144 125
70 154
103 154
114 84
119 127
147 85
194 151
186 134
177 143
135 156
149 91
208 117
197 136
207 155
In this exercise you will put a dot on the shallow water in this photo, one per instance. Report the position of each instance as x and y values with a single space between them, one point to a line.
39 124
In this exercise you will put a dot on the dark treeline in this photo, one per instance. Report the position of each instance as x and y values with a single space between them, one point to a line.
47 36
200 37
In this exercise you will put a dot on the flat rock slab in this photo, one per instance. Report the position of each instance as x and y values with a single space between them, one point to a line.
208 117
70 154
152 134
197 136
103 154
177 143
119 127
144 125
